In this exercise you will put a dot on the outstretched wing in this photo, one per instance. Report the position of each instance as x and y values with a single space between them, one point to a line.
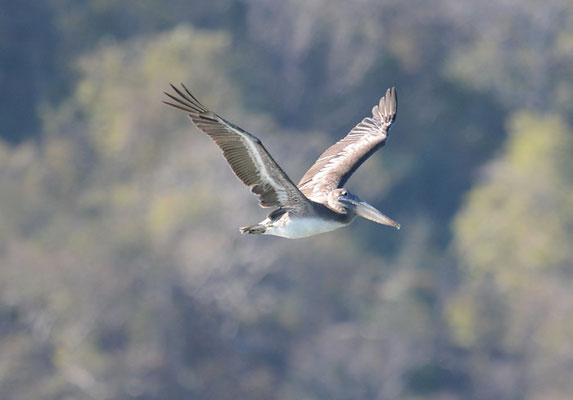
245 153
339 161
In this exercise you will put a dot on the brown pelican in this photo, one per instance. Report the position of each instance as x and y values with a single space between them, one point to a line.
319 203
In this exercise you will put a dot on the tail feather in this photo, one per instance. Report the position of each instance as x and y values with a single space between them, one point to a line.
254 229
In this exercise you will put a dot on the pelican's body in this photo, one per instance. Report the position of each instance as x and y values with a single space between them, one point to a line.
319 203
296 228
296 224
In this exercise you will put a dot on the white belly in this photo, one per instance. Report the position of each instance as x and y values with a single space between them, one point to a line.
301 227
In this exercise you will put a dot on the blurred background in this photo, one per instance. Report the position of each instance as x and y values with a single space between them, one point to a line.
122 271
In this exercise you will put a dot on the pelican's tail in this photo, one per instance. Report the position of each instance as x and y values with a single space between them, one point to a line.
258 229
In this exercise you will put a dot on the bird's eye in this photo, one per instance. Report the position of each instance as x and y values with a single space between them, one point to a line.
344 193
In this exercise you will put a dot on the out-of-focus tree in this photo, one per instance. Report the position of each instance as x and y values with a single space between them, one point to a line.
113 257
40 42
518 223
27 66
519 50
122 272
83 270
513 237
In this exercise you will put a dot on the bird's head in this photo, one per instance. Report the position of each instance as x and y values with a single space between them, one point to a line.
345 202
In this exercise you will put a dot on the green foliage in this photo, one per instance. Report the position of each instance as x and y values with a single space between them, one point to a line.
517 51
513 238
518 223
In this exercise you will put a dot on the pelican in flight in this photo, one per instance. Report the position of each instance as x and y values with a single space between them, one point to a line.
319 203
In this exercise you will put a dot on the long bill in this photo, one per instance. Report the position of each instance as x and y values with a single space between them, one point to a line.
365 210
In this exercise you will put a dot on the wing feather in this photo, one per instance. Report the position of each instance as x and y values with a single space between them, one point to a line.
339 161
245 153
